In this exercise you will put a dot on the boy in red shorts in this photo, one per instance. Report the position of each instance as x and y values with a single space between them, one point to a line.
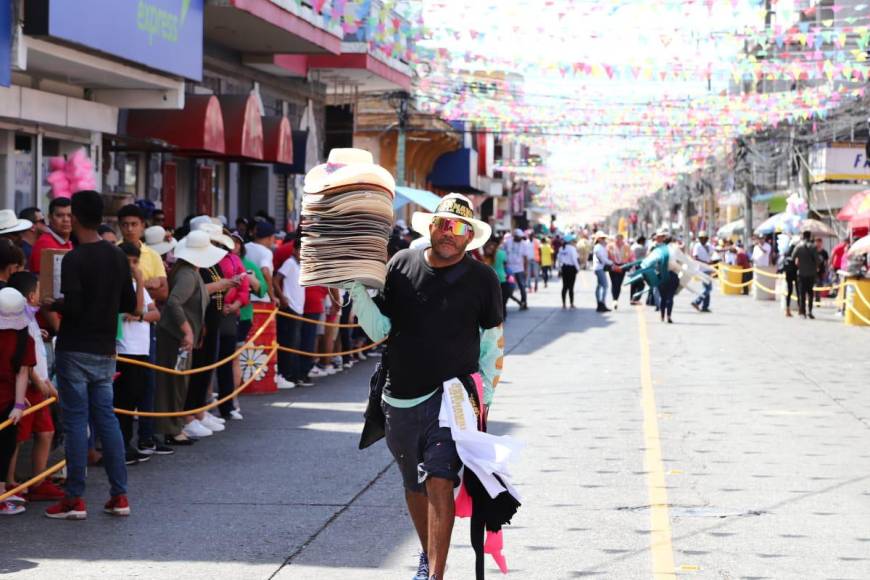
39 424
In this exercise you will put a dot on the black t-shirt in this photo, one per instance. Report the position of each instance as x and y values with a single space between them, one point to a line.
436 325
96 287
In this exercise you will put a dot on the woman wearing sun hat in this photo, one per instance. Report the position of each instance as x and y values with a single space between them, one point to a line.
180 328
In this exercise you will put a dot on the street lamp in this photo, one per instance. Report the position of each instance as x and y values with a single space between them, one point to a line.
398 100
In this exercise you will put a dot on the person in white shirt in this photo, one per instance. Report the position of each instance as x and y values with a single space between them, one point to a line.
601 262
134 342
702 252
569 265
291 300
519 252
260 253
761 253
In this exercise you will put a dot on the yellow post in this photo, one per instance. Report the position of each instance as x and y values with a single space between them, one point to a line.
856 307
730 281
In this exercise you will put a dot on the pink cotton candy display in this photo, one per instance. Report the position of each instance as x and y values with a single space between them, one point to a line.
71 175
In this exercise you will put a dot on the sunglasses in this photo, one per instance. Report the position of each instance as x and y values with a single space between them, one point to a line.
455 227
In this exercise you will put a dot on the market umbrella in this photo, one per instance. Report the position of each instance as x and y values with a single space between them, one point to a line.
818 228
782 222
734 228
858 207
860 247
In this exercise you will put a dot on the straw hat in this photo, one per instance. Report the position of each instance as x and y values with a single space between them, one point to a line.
599 235
10 224
663 231
196 248
217 235
155 238
454 206
12 310
348 167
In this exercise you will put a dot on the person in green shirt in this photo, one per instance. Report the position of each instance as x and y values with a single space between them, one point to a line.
496 257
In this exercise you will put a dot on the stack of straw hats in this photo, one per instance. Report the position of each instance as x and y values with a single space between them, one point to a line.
347 217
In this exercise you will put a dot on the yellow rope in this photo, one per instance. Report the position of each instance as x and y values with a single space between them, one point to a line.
330 354
211 405
53 469
247 346
29 410
310 321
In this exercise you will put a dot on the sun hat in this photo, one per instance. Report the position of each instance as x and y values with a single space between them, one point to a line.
217 235
454 206
12 310
196 248
519 233
155 238
345 167
10 224
703 234
663 231
199 221
599 234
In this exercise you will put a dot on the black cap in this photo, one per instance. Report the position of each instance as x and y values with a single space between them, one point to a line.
264 230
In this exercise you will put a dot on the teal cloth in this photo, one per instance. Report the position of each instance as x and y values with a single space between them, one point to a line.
498 265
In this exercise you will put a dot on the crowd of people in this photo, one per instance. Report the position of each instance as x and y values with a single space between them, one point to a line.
132 289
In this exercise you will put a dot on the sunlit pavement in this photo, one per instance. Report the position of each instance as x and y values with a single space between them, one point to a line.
757 426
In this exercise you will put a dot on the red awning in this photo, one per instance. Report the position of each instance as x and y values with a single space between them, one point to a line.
277 140
243 126
198 128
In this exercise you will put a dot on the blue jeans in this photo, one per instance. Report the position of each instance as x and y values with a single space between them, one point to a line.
703 299
520 278
601 289
84 382
288 331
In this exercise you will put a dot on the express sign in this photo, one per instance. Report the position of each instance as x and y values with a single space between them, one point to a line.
165 35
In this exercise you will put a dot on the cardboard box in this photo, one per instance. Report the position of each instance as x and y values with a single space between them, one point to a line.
49 273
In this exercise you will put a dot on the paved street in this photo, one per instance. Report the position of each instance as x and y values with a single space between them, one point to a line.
757 426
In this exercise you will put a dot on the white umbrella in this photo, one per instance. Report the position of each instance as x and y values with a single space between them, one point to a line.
734 228
818 228
862 246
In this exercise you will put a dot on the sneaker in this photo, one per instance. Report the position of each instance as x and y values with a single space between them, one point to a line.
283 383
236 415
329 370
9 508
196 429
45 491
147 448
180 440
348 364
317 373
422 568
211 423
117 506
68 509
696 306
374 353
306 382
361 356
220 420
133 457
155 448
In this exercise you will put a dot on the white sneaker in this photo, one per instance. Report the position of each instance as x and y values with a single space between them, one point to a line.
317 372
348 364
329 369
283 384
210 422
196 429
361 355
220 420
237 415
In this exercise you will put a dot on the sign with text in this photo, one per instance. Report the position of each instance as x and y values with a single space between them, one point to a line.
5 43
839 162
165 35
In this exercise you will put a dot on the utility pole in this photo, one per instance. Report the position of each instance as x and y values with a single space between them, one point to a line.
399 101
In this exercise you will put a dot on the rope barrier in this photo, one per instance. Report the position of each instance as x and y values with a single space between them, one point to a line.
50 471
308 320
29 410
209 406
831 288
247 346
330 354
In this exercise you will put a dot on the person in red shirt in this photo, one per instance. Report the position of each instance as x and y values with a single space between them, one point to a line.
57 235
742 262
15 343
314 297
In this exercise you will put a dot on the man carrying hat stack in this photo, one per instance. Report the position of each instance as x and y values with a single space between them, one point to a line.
441 311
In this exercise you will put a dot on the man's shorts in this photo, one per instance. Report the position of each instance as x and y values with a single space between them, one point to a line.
421 447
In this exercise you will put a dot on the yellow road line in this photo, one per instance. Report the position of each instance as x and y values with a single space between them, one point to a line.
660 523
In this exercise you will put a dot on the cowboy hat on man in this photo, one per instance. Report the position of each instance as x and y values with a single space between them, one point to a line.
454 206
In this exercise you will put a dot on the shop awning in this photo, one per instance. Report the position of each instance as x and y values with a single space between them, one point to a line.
277 140
197 129
425 199
734 228
297 166
243 126
362 70
456 171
